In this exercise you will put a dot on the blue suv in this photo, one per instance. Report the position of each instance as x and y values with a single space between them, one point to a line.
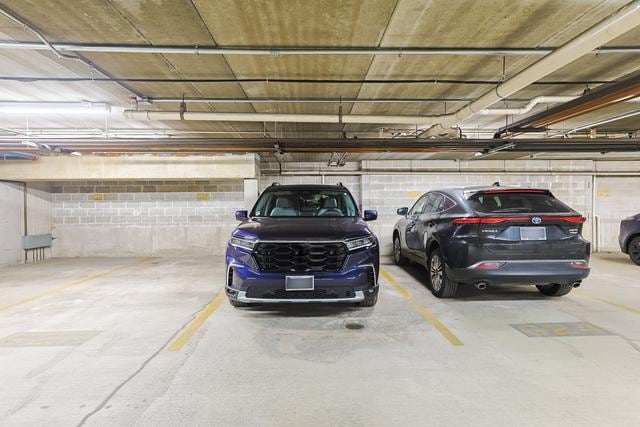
301 244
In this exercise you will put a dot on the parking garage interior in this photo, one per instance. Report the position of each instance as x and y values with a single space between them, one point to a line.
132 131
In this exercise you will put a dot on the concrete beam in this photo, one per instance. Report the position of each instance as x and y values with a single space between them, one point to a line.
132 167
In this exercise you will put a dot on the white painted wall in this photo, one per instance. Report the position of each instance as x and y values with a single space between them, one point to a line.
39 218
616 199
11 223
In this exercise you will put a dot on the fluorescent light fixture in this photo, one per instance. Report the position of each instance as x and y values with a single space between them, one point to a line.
16 107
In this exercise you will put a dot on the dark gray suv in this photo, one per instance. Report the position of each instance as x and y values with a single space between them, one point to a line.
629 237
495 235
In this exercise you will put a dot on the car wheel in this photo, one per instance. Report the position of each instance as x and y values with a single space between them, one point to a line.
369 300
397 252
441 286
555 290
237 303
634 250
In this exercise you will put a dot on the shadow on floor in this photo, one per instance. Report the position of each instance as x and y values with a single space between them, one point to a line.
304 310
618 258
470 293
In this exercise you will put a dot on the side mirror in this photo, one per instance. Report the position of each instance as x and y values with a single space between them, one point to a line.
403 211
242 215
370 215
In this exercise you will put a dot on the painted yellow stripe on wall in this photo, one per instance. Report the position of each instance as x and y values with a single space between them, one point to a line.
73 284
193 327
424 312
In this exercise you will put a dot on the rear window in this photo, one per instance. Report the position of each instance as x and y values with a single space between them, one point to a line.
516 203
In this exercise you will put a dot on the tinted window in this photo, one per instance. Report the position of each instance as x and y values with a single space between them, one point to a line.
434 200
418 207
447 204
306 203
517 202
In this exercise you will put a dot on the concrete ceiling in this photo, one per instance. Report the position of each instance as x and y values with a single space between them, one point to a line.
299 23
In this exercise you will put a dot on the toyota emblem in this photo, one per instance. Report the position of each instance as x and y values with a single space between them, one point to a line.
536 220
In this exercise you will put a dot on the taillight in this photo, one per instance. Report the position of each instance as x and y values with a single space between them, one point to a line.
570 219
489 220
501 219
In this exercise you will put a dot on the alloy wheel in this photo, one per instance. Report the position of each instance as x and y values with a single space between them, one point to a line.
435 270
634 251
396 250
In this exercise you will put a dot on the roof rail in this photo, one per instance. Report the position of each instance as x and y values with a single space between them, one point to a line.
340 184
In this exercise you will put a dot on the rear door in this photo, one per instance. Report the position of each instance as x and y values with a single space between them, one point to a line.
527 224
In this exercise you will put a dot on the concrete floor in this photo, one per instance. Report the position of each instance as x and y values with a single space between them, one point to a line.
88 340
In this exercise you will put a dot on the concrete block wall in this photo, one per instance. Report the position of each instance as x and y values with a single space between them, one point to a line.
122 218
388 192
388 185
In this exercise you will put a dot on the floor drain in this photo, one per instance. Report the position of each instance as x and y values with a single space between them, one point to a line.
354 326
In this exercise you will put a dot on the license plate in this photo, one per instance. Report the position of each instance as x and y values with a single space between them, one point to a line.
298 283
533 233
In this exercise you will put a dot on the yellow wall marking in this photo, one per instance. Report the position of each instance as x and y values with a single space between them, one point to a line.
428 316
97 196
414 194
606 301
73 284
193 327
202 196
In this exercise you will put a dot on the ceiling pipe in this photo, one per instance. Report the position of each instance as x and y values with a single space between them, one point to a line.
603 122
275 117
625 90
625 19
329 145
174 100
284 51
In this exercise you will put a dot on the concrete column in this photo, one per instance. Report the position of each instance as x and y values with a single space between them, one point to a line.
250 192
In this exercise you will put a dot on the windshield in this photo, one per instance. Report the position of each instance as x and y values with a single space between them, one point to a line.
517 203
305 203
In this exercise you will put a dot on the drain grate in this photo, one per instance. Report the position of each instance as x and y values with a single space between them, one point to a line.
48 339
354 326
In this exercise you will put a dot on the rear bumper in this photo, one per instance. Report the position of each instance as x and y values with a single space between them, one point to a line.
539 272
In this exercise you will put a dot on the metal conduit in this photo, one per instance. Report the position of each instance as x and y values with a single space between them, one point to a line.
283 51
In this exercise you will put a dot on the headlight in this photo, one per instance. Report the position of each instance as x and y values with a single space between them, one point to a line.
241 242
362 242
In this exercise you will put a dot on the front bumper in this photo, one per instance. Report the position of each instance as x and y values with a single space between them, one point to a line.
538 272
357 280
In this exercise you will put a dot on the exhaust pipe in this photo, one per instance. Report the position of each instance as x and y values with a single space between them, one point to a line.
577 284
481 286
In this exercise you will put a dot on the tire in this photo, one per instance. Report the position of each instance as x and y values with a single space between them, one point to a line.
634 250
237 303
441 286
555 290
397 252
369 301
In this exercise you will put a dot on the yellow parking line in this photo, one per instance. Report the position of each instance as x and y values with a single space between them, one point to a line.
73 284
193 327
426 314
606 301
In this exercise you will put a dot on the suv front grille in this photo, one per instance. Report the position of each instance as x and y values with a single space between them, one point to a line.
300 257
